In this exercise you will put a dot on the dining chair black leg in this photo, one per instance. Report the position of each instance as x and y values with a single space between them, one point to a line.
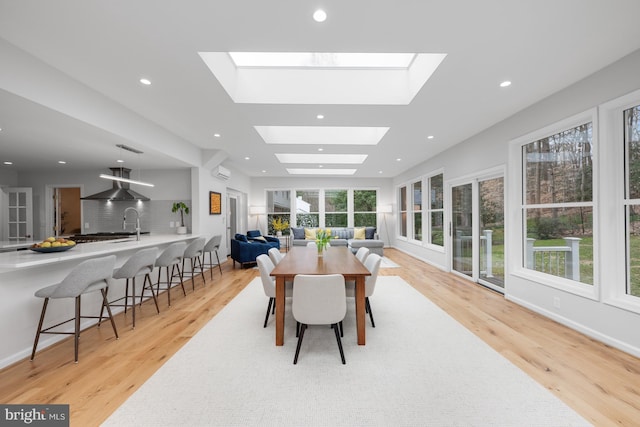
341 329
368 306
335 329
266 319
302 329
297 329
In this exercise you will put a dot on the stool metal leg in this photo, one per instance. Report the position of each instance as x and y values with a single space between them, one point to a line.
105 303
76 337
35 342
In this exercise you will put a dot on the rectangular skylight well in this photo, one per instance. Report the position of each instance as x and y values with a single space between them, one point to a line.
320 171
322 135
322 158
322 60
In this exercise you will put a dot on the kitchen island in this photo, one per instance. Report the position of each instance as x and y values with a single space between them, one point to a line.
23 272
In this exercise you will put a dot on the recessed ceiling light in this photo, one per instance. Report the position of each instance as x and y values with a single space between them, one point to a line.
398 159
217 135
119 161
247 158
264 171
379 171
430 137
319 15
505 83
320 166
320 149
8 163
145 82
320 116
62 162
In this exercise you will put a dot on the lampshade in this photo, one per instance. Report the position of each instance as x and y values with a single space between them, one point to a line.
257 210
385 208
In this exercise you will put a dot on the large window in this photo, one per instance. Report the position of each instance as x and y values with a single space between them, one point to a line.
558 204
632 198
364 208
436 210
335 208
308 208
416 209
402 202
278 207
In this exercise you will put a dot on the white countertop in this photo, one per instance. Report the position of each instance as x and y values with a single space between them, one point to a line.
6 244
27 258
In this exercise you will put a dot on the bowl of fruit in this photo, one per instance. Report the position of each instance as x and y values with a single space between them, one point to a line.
53 244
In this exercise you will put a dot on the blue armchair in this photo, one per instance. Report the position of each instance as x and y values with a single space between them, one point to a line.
246 249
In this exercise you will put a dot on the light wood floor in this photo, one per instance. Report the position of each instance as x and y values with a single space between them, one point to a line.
600 383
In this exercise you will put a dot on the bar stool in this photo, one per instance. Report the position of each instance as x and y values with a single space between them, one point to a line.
88 276
193 252
142 262
212 246
170 257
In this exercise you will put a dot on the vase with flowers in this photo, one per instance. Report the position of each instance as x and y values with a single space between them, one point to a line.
322 240
279 225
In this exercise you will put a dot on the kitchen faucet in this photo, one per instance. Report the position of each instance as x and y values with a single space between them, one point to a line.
124 221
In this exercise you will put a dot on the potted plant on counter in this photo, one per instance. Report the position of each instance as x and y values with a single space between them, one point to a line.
184 209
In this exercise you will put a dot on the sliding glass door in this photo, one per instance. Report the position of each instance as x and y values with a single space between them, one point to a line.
477 230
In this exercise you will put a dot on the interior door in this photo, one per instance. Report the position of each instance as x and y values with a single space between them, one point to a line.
19 214
232 219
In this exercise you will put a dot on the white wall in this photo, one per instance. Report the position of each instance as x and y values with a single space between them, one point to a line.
488 149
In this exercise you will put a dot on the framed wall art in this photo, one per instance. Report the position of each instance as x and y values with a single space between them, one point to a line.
215 203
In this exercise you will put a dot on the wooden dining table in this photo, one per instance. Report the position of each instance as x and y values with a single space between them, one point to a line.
305 260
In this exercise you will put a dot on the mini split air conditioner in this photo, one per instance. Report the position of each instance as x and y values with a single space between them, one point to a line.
221 173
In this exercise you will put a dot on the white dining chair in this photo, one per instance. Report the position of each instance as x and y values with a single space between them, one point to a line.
275 255
319 300
266 266
372 263
362 254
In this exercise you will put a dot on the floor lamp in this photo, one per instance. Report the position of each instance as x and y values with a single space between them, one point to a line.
257 211
384 210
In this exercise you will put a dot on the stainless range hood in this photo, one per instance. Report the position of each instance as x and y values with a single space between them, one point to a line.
120 190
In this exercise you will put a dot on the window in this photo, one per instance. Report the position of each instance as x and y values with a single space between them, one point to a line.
335 208
403 211
558 204
436 210
278 206
416 208
632 198
308 208
364 207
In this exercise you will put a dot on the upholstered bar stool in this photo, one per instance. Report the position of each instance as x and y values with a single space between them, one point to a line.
88 276
193 252
212 246
142 262
170 257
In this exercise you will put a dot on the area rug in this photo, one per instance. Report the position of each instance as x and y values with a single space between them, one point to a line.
419 368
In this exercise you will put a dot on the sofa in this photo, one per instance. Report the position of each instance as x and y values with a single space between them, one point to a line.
343 236
246 248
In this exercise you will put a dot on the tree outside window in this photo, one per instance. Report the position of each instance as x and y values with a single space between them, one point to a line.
632 198
364 207
278 206
335 208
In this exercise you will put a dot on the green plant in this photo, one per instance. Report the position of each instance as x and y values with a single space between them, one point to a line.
322 239
184 209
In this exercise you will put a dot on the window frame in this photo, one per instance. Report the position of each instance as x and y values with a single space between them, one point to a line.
429 210
517 206
614 200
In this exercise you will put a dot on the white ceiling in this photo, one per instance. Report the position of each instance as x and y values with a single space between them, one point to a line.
70 70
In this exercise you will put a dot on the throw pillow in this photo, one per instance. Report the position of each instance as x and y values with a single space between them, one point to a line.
260 238
310 234
370 233
241 238
254 233
298 233
359 233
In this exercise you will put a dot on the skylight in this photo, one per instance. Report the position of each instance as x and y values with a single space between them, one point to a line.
322 135
322 78
339 159
322 60
318 171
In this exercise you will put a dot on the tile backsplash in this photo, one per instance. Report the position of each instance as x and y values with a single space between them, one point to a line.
155 216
